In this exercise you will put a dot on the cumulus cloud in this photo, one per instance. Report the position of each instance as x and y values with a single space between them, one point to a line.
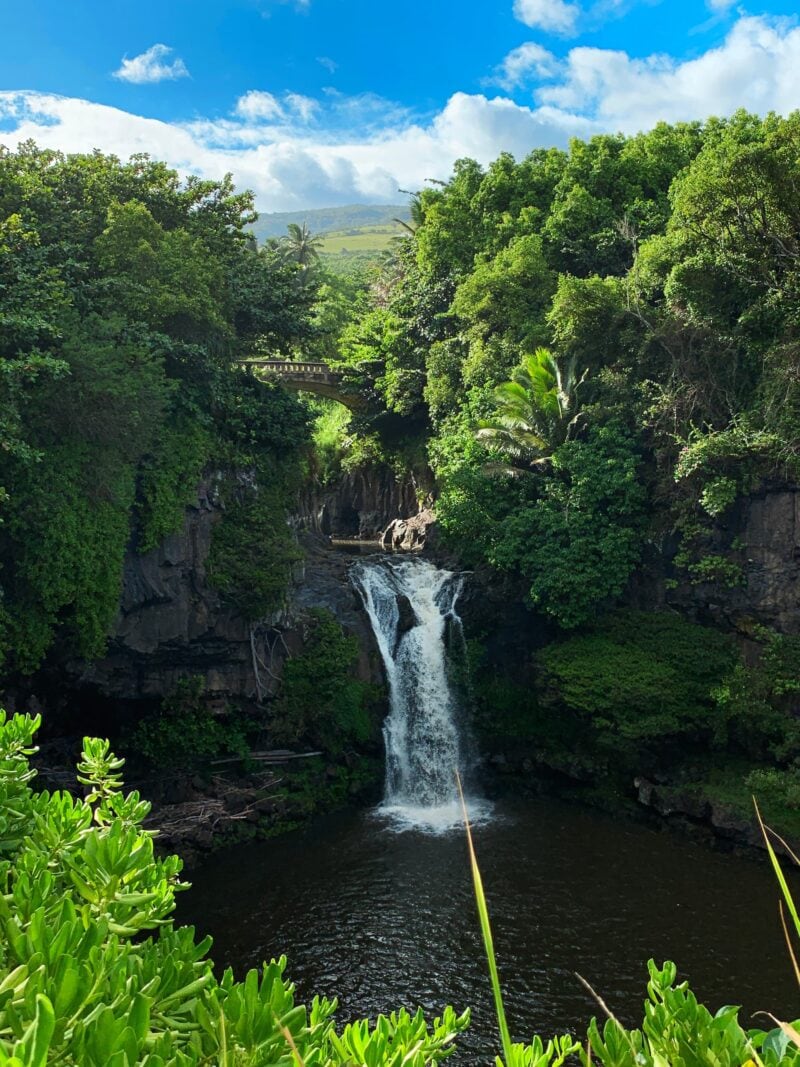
522 65
285 166
259 106
256 104
556 16
363 148
151 66
305 107
757 67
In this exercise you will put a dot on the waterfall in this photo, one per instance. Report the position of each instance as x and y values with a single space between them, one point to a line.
412 606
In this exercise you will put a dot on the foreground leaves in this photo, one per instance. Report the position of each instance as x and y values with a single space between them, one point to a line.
93 971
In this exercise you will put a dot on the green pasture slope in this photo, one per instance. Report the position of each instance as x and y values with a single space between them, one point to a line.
353 236
323 221
376 238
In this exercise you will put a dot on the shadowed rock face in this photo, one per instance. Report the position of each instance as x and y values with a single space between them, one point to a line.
361 506
172 623
772 559
766 526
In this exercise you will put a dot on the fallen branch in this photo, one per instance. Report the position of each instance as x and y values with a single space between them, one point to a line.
277 756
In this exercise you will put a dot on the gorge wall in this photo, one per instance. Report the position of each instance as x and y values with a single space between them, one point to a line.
173 623
761 536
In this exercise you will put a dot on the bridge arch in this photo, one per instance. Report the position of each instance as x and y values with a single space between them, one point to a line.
308 377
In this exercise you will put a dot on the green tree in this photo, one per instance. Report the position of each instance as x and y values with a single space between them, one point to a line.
579 540
126 295
534 412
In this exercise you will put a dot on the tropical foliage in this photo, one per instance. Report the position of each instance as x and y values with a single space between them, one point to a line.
534 412
126 298
635 288
93 971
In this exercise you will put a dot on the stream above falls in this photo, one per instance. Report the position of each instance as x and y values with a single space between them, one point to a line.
382 918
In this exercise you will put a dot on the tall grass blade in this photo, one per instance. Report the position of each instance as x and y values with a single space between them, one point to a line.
787 1028
788 939
609 1013
287 1033
782 841
787 895
486 932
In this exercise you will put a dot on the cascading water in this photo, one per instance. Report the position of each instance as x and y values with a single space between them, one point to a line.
411 604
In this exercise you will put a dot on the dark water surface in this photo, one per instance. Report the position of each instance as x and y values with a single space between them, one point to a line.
384 919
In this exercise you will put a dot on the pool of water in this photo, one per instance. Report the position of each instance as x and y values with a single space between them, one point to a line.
383 919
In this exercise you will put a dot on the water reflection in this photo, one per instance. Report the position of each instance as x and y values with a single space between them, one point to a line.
383 919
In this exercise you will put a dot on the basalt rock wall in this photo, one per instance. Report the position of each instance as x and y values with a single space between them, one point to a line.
363 505
761 536
172 623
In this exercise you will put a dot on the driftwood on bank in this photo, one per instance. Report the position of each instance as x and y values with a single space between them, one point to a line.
196 821
275 756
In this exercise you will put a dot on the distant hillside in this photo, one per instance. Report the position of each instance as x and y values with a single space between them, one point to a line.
375 238
329 219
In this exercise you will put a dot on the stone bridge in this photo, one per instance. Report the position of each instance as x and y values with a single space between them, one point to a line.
310 378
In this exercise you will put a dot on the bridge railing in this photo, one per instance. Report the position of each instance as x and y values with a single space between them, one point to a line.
290 366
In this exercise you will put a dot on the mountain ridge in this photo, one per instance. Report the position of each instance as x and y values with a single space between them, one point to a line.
328 220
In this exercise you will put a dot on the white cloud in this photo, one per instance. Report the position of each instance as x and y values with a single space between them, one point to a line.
363 148
720 5
329 64
528 62
256 104
757 67
303 106
151 67
285 166
557 16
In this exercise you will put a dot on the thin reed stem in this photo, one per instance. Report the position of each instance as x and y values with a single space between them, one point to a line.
486 931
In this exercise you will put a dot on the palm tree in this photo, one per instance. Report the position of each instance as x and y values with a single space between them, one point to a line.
416 212
533 413
301 246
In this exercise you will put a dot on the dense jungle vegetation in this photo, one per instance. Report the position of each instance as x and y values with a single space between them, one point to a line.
126 298
639 296
596 352
592 354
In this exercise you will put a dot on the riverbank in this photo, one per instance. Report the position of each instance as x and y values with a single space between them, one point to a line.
232 802
717 812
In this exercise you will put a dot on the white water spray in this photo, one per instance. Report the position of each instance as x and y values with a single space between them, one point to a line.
410 603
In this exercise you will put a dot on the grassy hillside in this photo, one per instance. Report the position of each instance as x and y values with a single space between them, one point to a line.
361 239
327 220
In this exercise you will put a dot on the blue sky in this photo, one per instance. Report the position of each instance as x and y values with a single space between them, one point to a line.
319 102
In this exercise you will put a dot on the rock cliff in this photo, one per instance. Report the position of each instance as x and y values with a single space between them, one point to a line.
171 623
361 505
760 534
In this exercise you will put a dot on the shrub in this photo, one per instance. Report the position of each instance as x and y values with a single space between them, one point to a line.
93 971
642 677
184 733
580 540
252 551
320 698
